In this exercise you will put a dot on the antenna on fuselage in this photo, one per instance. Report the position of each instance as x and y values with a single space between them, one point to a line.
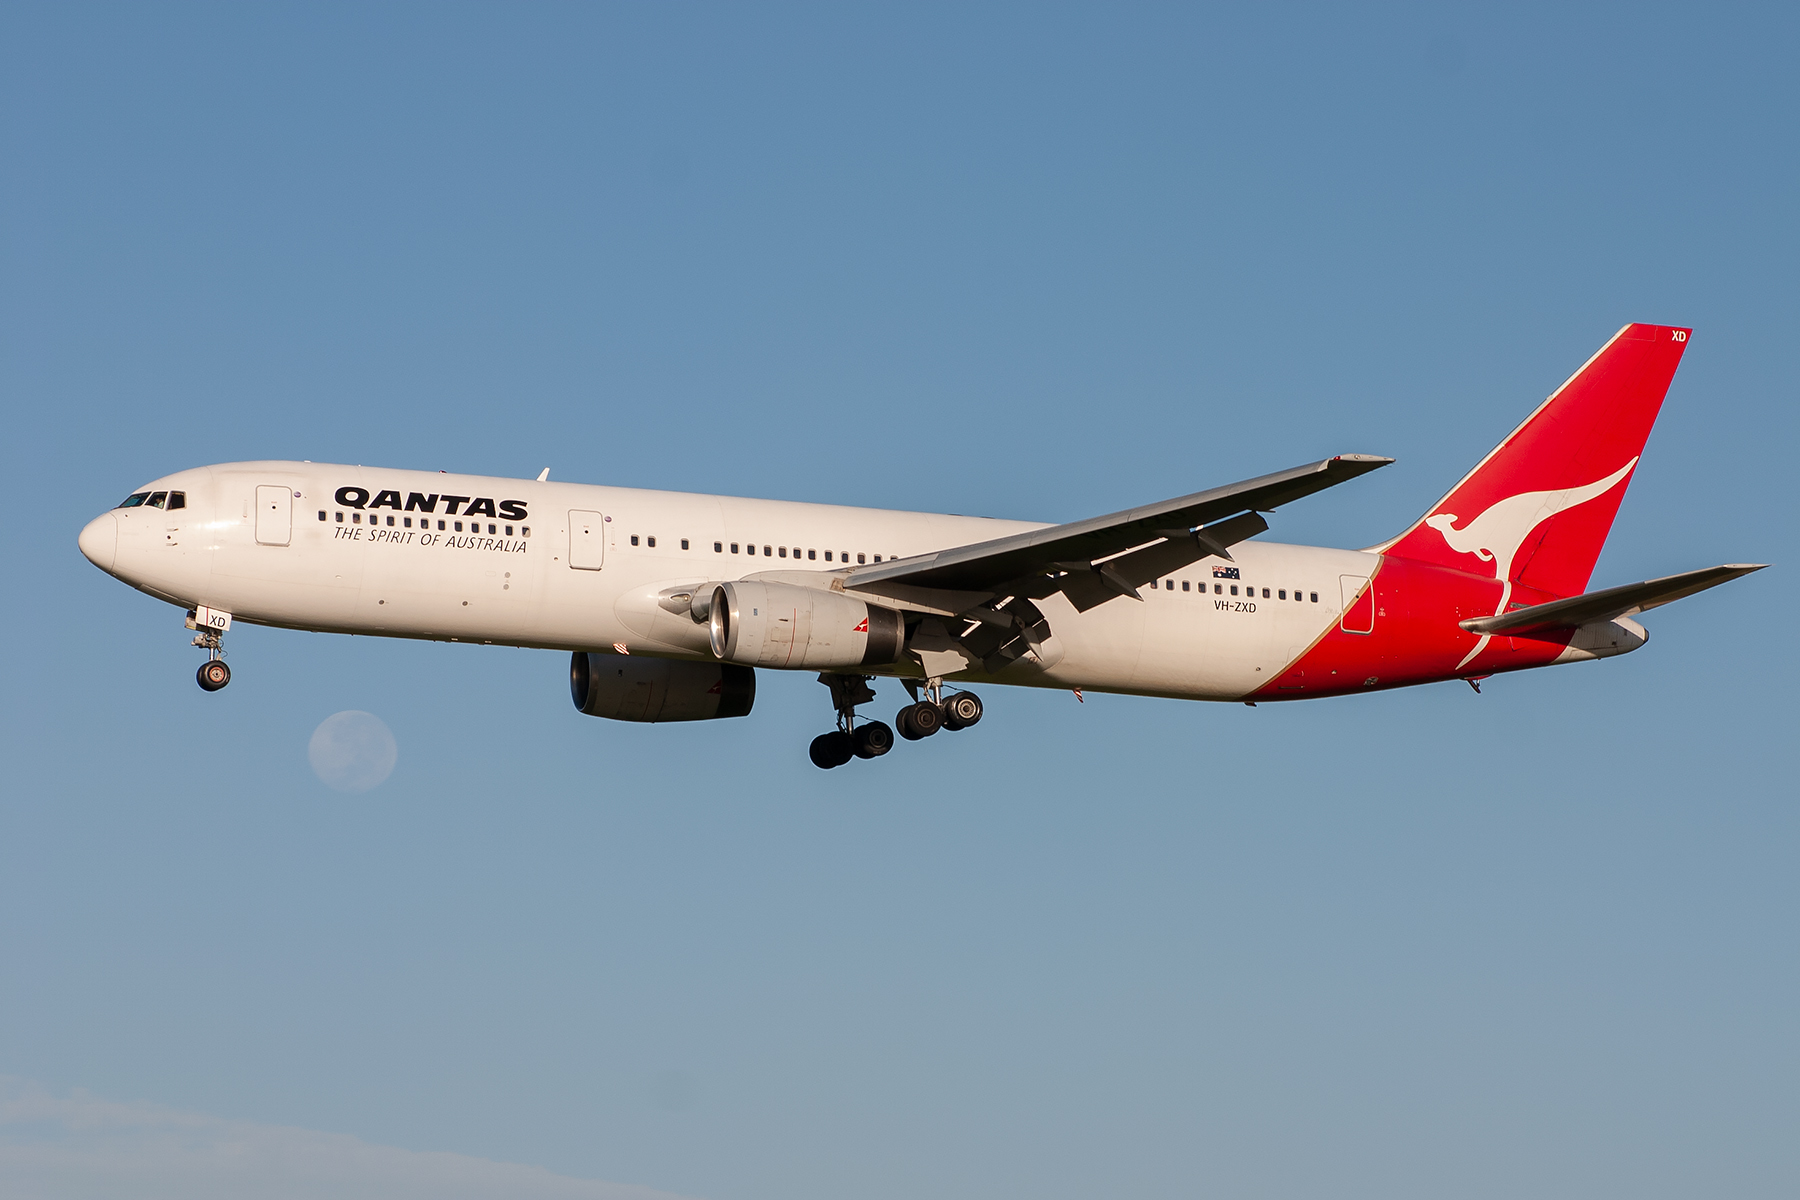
544 475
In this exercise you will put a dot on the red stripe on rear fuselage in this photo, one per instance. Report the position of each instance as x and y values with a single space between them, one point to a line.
1415 637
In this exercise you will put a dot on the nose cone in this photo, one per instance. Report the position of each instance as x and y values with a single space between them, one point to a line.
100 541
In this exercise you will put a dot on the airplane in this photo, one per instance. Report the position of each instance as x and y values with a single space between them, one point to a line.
669 602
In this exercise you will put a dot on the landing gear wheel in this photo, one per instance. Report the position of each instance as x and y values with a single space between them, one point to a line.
213 674
917 721
832 749
962 710
873 740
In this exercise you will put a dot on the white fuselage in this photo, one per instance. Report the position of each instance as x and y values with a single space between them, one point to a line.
399 572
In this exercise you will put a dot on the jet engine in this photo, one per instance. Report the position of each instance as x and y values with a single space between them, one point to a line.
658 689
763 624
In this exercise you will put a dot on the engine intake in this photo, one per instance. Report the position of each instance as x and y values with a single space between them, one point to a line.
781 625
624 688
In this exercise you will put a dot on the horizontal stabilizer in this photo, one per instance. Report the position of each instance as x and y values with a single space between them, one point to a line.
1604 605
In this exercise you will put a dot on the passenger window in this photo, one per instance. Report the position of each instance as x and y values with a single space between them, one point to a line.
135 499
1265 593
828 556
441 525
684 544
1169 583
508 529
391 525
177 500
1184 585
1315 597
860 558
878 558
634 539
811 555
1234 589
649 543
719 547
458 526
784 552
767 553
1282 595
406 521
321 514
356 519
734 547
524 531
340 518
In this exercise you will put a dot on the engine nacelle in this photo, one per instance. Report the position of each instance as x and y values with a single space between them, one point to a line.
779 625
625 688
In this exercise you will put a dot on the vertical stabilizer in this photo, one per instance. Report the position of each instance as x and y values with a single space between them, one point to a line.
1538 508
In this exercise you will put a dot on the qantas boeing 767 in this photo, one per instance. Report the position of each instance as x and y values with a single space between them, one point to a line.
670 601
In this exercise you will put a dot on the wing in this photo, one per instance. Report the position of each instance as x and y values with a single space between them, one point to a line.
1607 604
1094 560
985 591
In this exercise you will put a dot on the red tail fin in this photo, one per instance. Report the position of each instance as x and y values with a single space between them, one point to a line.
1536 510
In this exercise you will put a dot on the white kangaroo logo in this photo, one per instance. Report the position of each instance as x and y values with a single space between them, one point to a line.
1496 535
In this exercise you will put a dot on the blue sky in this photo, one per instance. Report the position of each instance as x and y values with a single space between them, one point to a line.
1029 262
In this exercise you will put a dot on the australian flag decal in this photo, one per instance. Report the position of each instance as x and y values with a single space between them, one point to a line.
1225 573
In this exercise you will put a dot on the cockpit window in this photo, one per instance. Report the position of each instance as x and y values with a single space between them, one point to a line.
177 500
157 499
135 499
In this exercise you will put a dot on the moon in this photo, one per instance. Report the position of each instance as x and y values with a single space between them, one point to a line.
352 751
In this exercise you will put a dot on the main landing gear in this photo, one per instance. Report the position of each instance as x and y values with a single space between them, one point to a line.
849 740
936 711
920 719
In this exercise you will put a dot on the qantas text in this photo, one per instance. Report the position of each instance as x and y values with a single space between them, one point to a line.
478 506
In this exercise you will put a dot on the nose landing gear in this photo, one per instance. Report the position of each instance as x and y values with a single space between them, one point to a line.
211 625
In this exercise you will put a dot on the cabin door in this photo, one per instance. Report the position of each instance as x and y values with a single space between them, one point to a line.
587 540
274 515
